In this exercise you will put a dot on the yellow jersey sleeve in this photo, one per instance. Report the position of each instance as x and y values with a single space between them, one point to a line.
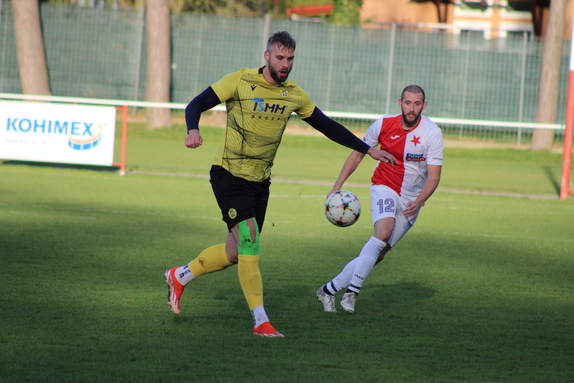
225 88
307 107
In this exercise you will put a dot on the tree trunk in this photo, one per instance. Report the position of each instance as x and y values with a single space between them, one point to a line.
542 139
30 47
158 62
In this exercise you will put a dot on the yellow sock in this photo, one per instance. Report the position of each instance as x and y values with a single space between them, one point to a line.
250 280
210 260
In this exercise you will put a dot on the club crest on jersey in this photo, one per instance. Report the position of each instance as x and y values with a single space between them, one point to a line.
284 93
415 157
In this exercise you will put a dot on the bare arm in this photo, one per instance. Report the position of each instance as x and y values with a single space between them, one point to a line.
348 168
381 155
428 189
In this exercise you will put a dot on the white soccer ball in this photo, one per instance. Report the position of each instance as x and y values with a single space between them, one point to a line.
342 208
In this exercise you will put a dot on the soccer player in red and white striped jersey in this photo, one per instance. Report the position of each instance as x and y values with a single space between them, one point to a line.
399 189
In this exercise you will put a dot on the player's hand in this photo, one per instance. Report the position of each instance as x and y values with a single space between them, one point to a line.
193 139
331 192
411 210
383 156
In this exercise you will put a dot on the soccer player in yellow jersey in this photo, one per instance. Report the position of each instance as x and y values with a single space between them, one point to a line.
259 103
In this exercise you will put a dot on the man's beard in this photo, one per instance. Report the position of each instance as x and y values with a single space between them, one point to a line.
275 75
413 123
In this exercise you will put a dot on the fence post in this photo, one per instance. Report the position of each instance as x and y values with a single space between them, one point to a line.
522 81
197 55
265 35
124 110
139 46
465 83
565 187
330 71
1 14
390 74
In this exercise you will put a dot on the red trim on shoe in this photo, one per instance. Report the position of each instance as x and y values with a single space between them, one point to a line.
175 289
266 330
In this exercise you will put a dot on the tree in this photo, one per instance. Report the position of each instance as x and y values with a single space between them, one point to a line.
549 76
347 12
158 61
228 8
30 47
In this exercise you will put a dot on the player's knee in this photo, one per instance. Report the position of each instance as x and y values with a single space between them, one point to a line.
248 237
383 236
384 229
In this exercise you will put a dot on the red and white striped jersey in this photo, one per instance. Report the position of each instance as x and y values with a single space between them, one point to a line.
414 149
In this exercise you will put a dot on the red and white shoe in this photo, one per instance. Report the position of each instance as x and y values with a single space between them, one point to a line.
267 330
175 289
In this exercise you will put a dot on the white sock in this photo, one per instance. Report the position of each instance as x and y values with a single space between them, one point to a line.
366 262
342 280
183 275
259 316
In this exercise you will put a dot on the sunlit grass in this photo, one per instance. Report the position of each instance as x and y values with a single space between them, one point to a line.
480 290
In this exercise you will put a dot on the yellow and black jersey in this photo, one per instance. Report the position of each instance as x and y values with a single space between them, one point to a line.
257 114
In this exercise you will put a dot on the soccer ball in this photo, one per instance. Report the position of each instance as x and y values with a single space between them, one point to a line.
342 208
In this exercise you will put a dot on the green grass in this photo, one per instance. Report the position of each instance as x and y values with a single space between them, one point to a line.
480 290
480 170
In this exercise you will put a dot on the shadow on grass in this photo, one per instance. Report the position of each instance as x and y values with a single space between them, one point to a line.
403 292
552 178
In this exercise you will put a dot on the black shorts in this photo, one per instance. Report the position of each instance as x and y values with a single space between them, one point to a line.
238 198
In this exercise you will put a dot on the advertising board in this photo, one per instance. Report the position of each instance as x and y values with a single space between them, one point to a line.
62 133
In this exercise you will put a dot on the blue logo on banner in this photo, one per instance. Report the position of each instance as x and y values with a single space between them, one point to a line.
81 135
85 144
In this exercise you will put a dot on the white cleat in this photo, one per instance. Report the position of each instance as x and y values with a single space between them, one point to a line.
327 300
348 302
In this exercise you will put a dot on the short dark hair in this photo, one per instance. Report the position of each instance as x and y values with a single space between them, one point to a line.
281 39
413 89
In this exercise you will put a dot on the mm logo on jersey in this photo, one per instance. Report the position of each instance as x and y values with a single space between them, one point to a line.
415 157
260 106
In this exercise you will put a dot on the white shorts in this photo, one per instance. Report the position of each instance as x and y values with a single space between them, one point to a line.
385 202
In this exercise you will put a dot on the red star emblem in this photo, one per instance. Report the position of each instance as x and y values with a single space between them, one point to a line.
416 140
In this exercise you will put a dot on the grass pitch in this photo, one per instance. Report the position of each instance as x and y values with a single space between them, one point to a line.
480 290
